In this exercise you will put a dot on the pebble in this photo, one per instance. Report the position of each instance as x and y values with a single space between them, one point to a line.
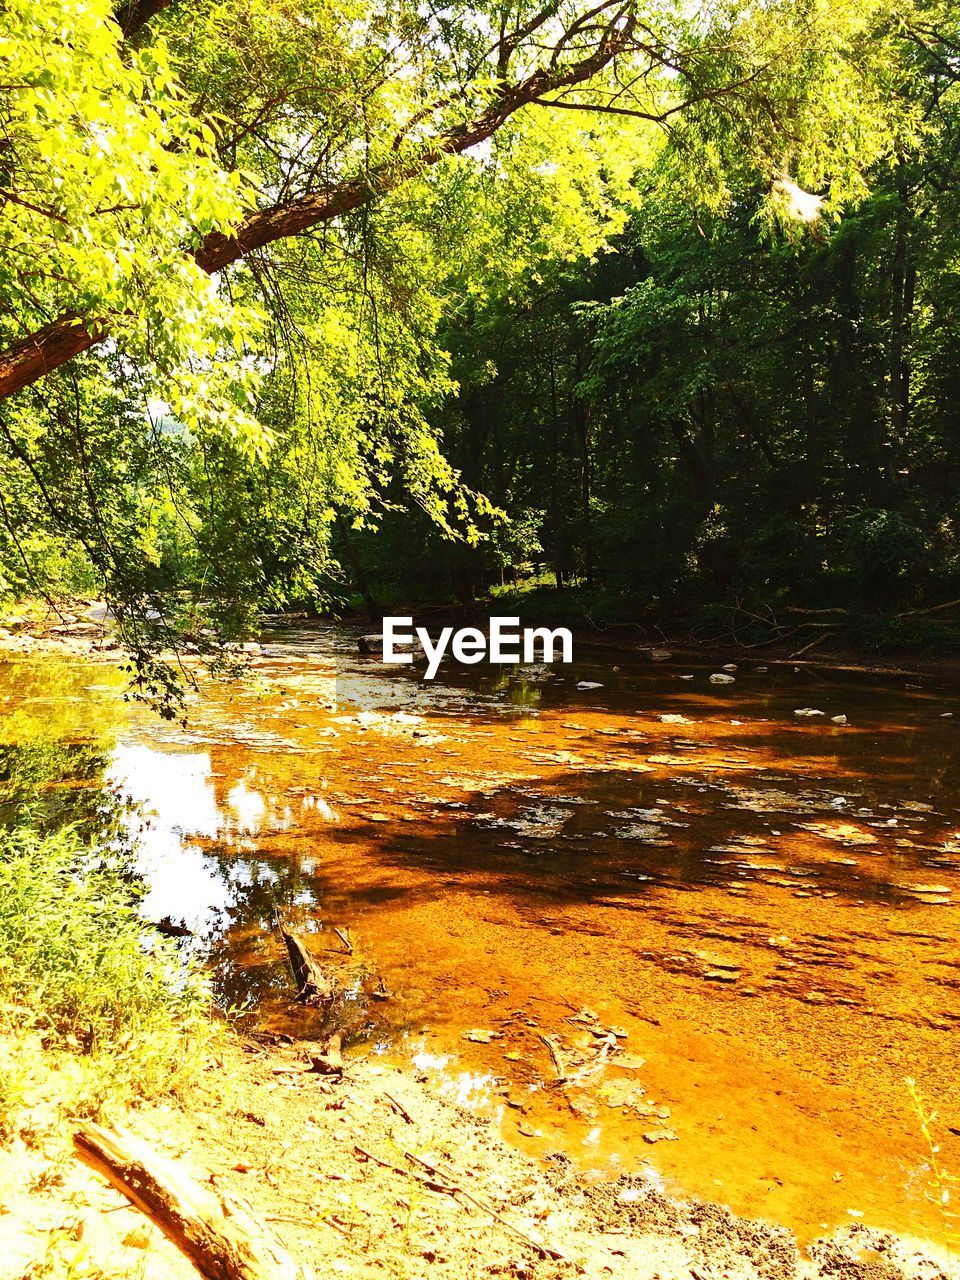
720 677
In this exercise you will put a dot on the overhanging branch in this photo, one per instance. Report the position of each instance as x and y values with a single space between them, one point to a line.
62 339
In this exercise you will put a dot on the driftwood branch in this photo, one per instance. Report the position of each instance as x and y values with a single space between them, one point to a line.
558 1063
220 1235
435 1179
345 939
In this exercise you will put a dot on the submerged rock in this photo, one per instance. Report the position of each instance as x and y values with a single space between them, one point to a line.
659 1135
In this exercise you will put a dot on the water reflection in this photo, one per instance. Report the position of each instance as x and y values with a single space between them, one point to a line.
175 807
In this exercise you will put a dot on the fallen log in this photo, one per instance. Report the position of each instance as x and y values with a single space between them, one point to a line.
220 1235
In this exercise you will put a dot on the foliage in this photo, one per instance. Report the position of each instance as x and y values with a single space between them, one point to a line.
79 967
106 177
749 402
375 274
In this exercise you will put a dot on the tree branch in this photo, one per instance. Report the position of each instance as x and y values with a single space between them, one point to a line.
134 14
58 342
607 109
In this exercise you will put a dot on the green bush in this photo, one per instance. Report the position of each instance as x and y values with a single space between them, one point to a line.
80 968
885 551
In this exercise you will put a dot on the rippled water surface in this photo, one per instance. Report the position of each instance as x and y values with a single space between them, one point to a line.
732 928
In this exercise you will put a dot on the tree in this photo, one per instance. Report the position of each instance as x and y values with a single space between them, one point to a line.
768 384
231 232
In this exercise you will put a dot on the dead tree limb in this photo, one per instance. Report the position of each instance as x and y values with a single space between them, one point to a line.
314 987
320 991
219 1235
558 1063
344 937
436 1180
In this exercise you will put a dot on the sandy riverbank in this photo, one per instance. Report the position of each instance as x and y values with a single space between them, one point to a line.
348 1172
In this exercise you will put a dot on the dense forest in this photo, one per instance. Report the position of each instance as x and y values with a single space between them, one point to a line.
751 406
356 305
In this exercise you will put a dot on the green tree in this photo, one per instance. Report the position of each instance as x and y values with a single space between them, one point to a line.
239 241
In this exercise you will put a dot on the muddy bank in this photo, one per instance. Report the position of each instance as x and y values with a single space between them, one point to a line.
375 1175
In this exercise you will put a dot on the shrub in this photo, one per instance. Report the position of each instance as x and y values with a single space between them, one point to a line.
885 550
81 970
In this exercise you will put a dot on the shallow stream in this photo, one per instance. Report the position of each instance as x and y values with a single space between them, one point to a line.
732 928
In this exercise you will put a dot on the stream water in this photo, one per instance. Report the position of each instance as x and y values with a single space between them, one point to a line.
733 928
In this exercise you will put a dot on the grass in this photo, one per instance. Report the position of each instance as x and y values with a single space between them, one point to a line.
85 986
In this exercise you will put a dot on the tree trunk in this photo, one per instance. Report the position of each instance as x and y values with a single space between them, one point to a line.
356 568
902 288
580 413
